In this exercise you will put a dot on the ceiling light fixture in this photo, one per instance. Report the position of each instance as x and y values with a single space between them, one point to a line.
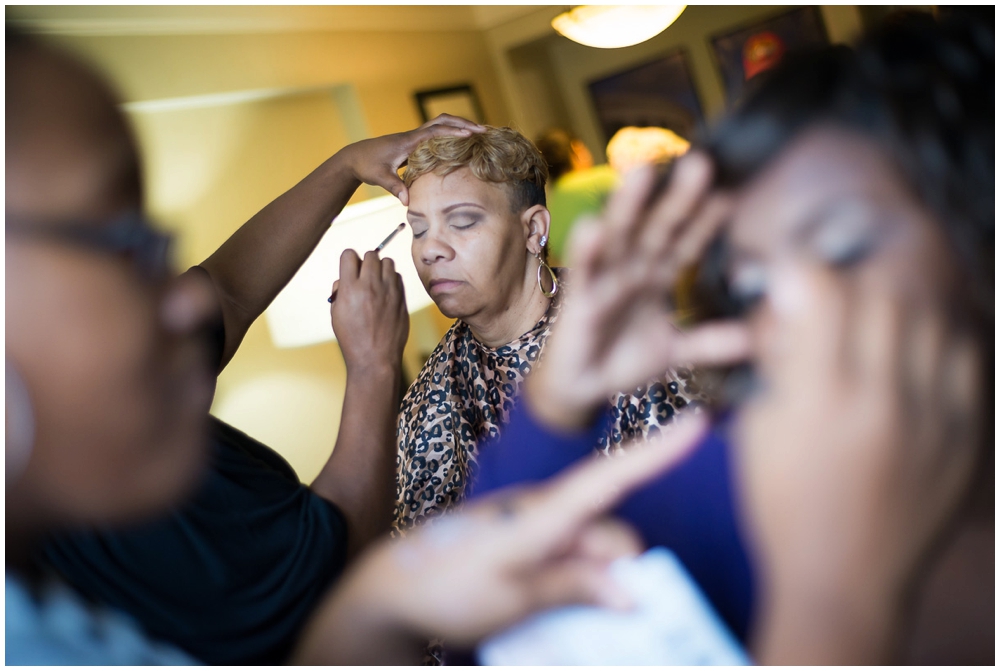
614 26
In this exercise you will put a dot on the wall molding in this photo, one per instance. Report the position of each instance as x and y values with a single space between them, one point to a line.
111 21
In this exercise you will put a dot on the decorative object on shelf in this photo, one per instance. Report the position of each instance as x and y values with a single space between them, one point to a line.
615 26
460 100
658 93
752 49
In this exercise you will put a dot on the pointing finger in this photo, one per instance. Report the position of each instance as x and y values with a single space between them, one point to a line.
587 491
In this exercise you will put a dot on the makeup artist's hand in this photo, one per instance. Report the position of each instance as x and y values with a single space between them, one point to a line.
477 571
376 161
369 315
616 329
852 458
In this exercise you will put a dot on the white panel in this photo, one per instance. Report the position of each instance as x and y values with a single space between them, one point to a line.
300 315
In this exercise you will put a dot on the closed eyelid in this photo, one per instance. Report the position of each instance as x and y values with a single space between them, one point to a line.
463 218
846 234
860 216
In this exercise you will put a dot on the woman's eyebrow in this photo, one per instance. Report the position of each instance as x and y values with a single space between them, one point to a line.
458 205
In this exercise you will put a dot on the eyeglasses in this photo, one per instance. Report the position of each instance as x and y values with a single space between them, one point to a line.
131 236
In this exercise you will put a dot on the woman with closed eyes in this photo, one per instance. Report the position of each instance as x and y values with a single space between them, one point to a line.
480 228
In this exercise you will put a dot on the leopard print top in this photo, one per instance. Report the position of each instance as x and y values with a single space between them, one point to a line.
464 395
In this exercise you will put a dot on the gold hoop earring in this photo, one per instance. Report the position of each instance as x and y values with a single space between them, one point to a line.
552 275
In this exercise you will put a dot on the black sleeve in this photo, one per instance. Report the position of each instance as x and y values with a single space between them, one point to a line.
232 576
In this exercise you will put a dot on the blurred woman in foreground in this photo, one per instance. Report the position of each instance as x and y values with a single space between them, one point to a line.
859 191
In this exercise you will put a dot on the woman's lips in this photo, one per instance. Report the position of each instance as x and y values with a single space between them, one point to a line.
442 286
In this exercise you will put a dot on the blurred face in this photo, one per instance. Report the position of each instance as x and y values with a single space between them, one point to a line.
119 379
469 247
833 198
110 351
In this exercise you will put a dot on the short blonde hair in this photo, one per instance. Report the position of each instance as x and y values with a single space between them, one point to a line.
498 155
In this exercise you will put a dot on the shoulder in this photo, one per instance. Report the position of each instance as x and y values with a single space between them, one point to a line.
55 627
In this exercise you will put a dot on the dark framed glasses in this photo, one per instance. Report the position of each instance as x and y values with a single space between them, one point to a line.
130 235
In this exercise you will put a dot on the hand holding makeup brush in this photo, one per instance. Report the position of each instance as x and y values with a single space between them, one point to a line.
369 316
395 231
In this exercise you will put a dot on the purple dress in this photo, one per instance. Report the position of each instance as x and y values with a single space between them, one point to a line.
691 509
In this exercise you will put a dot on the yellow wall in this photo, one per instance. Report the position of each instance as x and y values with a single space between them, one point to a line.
210 169
210 166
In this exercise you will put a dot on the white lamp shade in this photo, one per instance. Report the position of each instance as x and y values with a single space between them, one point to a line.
300 315
614 26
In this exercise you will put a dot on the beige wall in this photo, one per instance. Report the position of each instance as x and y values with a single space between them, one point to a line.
212 162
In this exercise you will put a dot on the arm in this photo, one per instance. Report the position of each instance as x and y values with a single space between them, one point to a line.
691 509
371 322
259 259
530 451
497 561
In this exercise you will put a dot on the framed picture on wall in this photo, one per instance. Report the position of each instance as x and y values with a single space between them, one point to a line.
657 93
744 53
458 100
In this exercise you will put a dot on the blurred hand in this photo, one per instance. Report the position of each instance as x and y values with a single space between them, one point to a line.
616 328
852 459
502 558
369 314
376 161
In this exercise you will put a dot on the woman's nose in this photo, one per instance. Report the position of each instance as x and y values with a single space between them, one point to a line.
189 304
435 248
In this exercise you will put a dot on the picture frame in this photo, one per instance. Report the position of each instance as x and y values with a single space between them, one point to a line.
659 92
742 53
459 100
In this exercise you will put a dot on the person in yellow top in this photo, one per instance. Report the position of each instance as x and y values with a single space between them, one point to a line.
578 186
